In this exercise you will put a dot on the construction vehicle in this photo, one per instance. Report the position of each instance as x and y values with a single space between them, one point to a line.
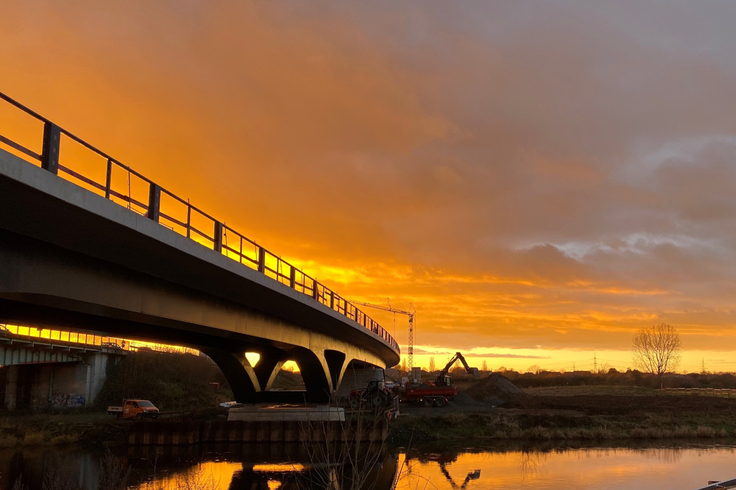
444 380
430 396
439 393
375 395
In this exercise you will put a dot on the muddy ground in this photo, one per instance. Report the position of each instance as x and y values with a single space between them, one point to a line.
622 405
584 417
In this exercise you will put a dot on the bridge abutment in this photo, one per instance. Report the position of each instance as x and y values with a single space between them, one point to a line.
37 386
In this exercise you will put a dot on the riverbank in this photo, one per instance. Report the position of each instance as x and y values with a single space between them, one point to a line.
602 417
86 429
580 417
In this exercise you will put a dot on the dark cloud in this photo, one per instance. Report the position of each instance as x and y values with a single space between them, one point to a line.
528 174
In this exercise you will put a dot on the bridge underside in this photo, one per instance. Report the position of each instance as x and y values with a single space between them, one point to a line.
64 289
109 270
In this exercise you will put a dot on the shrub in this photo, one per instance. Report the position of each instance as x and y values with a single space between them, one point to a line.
64 439
703 431
33 439
170 381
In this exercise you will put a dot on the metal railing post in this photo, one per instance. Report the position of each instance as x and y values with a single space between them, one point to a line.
189 220
292 278
108 178
315 289
154 202
218 237
51 144
261 260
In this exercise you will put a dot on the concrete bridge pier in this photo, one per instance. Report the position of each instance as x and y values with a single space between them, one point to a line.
323 374
254 383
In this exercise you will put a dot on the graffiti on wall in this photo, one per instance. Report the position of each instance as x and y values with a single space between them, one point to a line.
65 400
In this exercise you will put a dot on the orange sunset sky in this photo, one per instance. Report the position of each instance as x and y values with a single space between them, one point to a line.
539 179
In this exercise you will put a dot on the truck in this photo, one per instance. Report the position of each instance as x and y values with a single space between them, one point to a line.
134 409
430 396
441 391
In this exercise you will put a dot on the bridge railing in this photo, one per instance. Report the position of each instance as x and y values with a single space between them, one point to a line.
142 195
36 334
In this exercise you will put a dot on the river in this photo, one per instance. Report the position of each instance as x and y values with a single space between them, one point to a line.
506 466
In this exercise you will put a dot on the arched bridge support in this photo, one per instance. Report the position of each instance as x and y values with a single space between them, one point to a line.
238 372
322 373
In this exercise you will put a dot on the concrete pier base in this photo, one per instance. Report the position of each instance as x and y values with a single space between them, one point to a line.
287 413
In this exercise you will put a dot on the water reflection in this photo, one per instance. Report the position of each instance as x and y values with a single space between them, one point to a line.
253 467
580 467
77 468
287 467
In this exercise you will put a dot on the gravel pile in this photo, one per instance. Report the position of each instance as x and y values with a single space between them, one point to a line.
494 389
463 399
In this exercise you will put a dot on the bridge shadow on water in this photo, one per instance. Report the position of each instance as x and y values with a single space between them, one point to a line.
207 467
285 466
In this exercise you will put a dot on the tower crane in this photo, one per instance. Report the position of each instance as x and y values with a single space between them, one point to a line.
411 313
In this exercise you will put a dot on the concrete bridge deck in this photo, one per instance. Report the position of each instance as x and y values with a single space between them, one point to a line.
72 258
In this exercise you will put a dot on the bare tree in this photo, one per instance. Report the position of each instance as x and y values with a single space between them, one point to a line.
341 454
657 349
485 366
114 474
431 364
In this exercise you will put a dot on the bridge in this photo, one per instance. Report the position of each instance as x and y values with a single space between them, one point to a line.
92 255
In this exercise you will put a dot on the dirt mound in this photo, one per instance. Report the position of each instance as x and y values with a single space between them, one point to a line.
494 389
286 380
463 399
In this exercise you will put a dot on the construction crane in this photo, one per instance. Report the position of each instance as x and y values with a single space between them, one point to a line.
412 316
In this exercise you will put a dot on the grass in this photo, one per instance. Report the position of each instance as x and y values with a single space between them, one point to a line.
59 429
592 390
481 426
31 439
557 425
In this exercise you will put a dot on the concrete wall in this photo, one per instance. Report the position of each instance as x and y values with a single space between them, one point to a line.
356 377
56 385
95 373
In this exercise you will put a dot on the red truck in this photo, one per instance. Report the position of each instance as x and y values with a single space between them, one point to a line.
430 396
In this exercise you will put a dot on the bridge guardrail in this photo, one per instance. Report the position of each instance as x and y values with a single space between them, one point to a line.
190 222
34 334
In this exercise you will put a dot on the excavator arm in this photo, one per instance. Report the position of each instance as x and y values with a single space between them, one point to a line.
465 363
472 475
441 377
457 357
